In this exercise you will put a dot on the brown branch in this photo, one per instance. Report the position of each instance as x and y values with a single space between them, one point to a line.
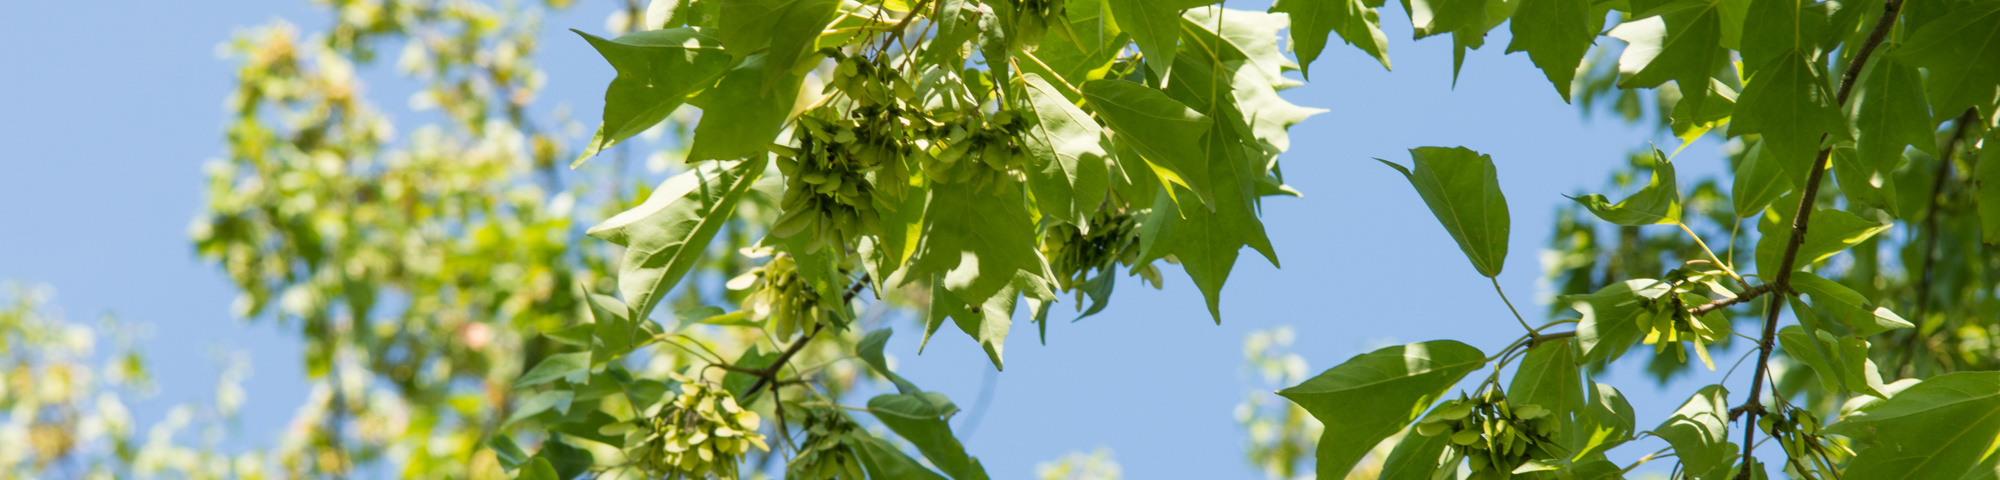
1750 294
1930 225
1753 406
769 374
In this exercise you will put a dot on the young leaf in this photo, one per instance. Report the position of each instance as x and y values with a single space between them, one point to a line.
1162 129
1070 174
870 351
664 236
1789 104
1610 323
1374 395
1758 182
1462 190
1355 20
1658 202
1939 428
657 71
1699 432
1962 53
920 418
1556 34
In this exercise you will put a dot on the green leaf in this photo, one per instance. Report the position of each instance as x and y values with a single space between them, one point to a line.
1593 469
612 328
1071 172
987 323
1962 53
1682 46
783 29
920 418
1374 395
1548 376
666 235
741 116
1207 241
1757 182
1155 25
1939 428
1859 370
981 242
1246 44
1699 432
1607 421
539 469
574 367
1162 129
1819 351
1556 34
883 460
657 71
870 351
1658 202
1828 233
1432 17
509 454
1888 112
1610 316
1415 457
1355 20
1847 305
1862 183
1783 27
1789 104
1986 181
1463 191
556 399
1081 50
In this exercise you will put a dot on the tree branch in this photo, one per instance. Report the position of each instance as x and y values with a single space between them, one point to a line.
1930 225
1752 406
769 374
1751 294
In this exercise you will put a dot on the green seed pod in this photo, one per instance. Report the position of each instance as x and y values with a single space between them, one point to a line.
1465 438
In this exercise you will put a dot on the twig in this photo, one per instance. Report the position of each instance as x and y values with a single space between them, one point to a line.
769 373
1753 406
1747 295
1510 306
1930 225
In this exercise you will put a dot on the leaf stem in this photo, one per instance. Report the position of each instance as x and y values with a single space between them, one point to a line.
1510 305
1711 253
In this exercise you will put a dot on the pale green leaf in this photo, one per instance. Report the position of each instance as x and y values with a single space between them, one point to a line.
1757 182
1556 34
1847 305
1682 46
783 30
1070 174
572 366
1165 131
664 236
1415 457
870 351
740 116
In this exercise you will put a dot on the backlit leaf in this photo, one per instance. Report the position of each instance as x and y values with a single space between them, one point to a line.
1374 395
666 235
1463 191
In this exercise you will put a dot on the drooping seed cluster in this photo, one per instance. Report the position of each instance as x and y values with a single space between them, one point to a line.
828 450
781 300
1495 437
701 432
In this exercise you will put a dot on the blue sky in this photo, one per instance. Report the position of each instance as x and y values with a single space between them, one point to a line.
109 110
